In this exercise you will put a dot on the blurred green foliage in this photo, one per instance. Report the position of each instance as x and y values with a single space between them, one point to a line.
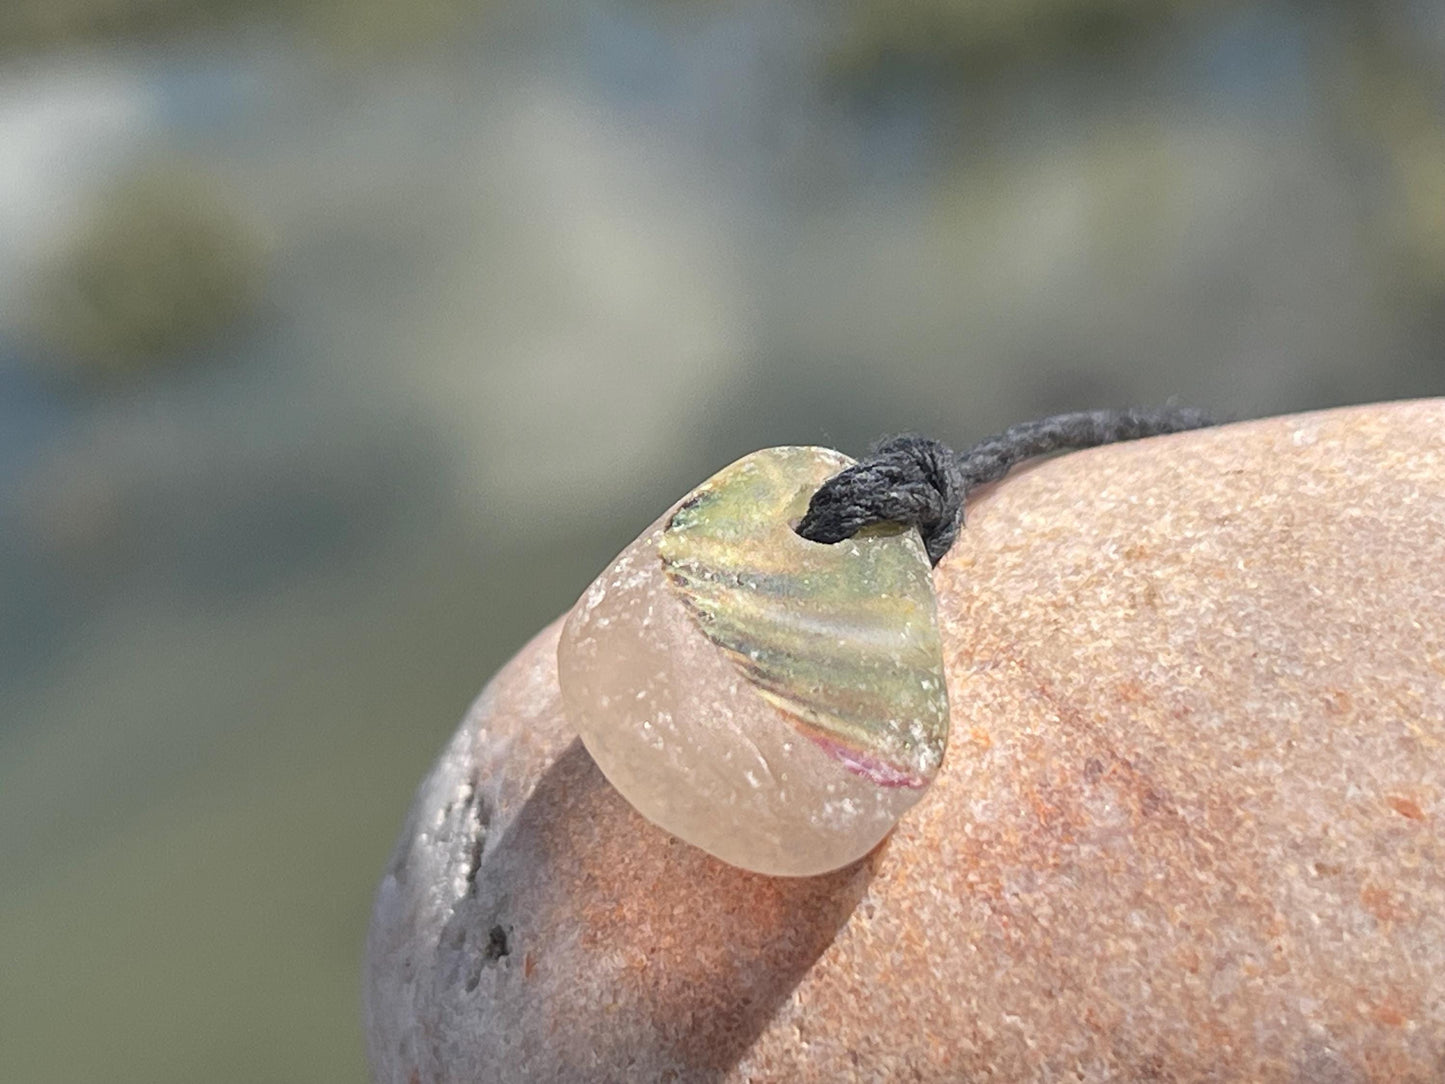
361 31
981 31
29 25
161 263
1389 105
354 28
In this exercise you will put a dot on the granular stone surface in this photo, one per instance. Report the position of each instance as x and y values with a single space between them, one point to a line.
1187 828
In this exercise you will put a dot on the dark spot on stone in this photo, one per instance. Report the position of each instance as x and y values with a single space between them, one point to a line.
497 946
474 862
1093 769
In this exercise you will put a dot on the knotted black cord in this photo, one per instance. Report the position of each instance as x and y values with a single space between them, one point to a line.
923 483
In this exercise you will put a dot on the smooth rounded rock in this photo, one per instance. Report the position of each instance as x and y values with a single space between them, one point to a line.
1188 826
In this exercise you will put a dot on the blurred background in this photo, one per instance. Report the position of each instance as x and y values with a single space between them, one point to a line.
343 341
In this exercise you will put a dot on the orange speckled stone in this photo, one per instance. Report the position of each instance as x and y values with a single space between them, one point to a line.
1188 826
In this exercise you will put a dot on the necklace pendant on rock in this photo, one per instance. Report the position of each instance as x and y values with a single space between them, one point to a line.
778 702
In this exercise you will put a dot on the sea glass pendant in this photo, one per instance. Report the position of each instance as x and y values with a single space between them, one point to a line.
778 702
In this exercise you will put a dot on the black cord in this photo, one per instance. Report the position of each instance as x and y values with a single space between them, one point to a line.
923 483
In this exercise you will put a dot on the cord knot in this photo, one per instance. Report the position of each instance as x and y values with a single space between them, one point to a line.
922 483
908 479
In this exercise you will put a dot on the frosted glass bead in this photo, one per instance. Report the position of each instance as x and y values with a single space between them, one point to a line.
777 702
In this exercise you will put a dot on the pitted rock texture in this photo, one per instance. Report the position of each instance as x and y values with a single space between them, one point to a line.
1188 826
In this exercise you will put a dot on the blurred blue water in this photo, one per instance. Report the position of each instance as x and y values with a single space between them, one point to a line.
31 417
